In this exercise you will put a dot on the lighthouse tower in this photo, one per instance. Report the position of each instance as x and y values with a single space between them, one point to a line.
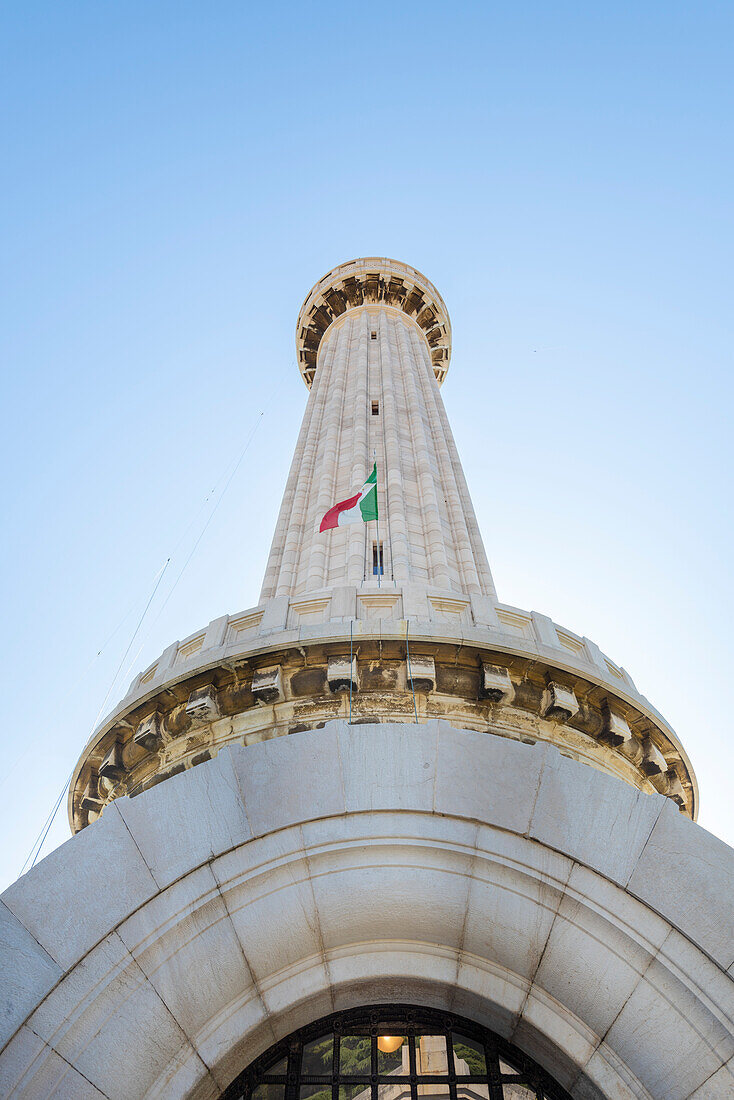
382 836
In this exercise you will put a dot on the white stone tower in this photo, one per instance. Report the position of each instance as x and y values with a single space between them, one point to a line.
382 836
374 343
381 360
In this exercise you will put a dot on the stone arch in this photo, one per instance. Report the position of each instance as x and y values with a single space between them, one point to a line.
170 943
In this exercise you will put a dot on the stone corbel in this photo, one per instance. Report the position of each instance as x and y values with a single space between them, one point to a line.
91 800
616 728
112 767
149 734
654 765
675 788
559 703
633 750
202 706
342 674
496 684
267 685
422 673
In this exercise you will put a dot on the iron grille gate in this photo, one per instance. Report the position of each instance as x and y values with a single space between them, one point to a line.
437 1057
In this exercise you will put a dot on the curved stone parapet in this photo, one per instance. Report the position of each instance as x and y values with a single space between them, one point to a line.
373 280
586 922
285 666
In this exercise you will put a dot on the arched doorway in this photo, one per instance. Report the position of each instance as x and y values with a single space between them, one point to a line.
394 1052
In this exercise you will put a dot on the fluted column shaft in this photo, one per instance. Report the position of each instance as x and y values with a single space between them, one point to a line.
376 354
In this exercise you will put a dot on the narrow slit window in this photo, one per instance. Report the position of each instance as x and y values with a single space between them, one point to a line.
378 565
373 336
375 408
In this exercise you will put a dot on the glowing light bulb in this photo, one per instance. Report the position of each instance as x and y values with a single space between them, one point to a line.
388 1044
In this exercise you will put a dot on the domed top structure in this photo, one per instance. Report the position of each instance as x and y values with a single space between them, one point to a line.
368 282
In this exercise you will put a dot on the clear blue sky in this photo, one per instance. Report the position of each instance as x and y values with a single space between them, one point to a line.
175 176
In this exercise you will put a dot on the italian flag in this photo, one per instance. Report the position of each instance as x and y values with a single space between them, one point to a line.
360 508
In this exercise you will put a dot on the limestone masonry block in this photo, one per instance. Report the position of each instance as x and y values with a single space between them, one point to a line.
675 789
422 673
496 684
149 734
342 674
616 728
90 798
267 685
112 767
632 749
559 702
202 705
653 761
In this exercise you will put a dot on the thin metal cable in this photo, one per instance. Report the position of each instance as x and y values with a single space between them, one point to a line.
37 847
410 671
160 577
50 819
45 828
201 535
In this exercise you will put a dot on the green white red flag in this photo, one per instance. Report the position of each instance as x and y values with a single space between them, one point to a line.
361 508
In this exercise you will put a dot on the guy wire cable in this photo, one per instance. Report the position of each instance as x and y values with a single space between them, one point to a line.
37 847
200 537
50 819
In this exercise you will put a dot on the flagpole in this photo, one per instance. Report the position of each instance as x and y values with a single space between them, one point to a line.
377 521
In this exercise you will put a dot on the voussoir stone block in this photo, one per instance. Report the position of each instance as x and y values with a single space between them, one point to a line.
481 776
680 851
28 973
290 779
88 885
188 819
388 767
601 821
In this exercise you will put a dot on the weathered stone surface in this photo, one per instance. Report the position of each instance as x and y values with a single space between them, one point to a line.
149 734
578 824
422 673
559 703
28 973
202 705
267 684
74 896
702 909
198 812
616 727
342 674
465 886
496 684
291 779
480 778
30 1069
381 771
